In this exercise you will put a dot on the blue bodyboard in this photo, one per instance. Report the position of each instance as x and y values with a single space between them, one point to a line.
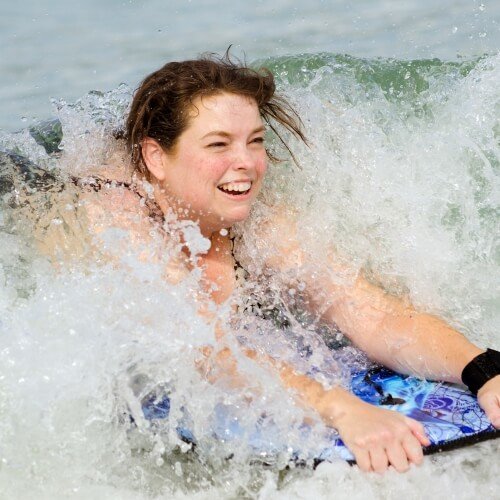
450 414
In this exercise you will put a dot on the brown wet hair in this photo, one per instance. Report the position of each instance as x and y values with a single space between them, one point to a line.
162 103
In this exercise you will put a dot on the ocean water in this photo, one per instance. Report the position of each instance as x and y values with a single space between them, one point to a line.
401 106
49 50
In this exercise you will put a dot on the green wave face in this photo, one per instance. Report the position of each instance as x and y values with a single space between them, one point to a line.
381 72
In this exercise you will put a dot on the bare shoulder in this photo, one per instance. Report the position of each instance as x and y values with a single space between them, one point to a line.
115 206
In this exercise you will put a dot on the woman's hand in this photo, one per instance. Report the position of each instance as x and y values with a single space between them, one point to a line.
489 399
376 437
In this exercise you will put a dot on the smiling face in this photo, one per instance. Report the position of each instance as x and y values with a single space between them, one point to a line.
217 165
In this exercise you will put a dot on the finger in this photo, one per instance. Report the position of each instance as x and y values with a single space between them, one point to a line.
491 406
413 450
398 457
418 430
362 459
379 459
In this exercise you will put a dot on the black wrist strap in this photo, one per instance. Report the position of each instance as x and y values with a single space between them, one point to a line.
481 369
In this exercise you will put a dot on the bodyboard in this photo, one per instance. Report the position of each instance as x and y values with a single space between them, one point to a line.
450 414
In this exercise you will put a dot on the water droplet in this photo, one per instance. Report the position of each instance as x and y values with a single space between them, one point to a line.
223 232
454 30
178 469
482 7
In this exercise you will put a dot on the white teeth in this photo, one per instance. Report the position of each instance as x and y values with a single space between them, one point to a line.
236 186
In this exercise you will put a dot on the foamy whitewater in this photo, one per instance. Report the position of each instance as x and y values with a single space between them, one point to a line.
401 179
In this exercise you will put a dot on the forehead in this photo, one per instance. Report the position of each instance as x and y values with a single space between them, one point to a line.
227 109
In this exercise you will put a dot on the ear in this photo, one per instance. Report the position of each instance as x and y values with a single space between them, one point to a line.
154 156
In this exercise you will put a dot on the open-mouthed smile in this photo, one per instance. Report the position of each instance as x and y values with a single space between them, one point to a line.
235 189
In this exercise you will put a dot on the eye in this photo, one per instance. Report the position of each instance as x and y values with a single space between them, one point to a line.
258 140
218 144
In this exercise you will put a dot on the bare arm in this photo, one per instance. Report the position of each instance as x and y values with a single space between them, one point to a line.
391 331
377 437
395 334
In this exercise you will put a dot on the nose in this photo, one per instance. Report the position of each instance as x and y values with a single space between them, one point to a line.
244 158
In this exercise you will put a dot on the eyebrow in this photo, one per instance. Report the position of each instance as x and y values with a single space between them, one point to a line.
227 134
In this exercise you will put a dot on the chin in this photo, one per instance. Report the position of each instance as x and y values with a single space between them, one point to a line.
240 216
227 219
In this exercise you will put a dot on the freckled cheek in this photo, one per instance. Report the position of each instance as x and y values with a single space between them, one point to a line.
199 167
213 171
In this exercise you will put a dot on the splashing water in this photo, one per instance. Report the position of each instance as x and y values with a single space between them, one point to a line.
401 179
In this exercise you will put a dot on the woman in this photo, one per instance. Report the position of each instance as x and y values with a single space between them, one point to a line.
196 134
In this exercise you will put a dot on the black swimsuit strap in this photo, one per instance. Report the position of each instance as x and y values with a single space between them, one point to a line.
237 265
96 184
